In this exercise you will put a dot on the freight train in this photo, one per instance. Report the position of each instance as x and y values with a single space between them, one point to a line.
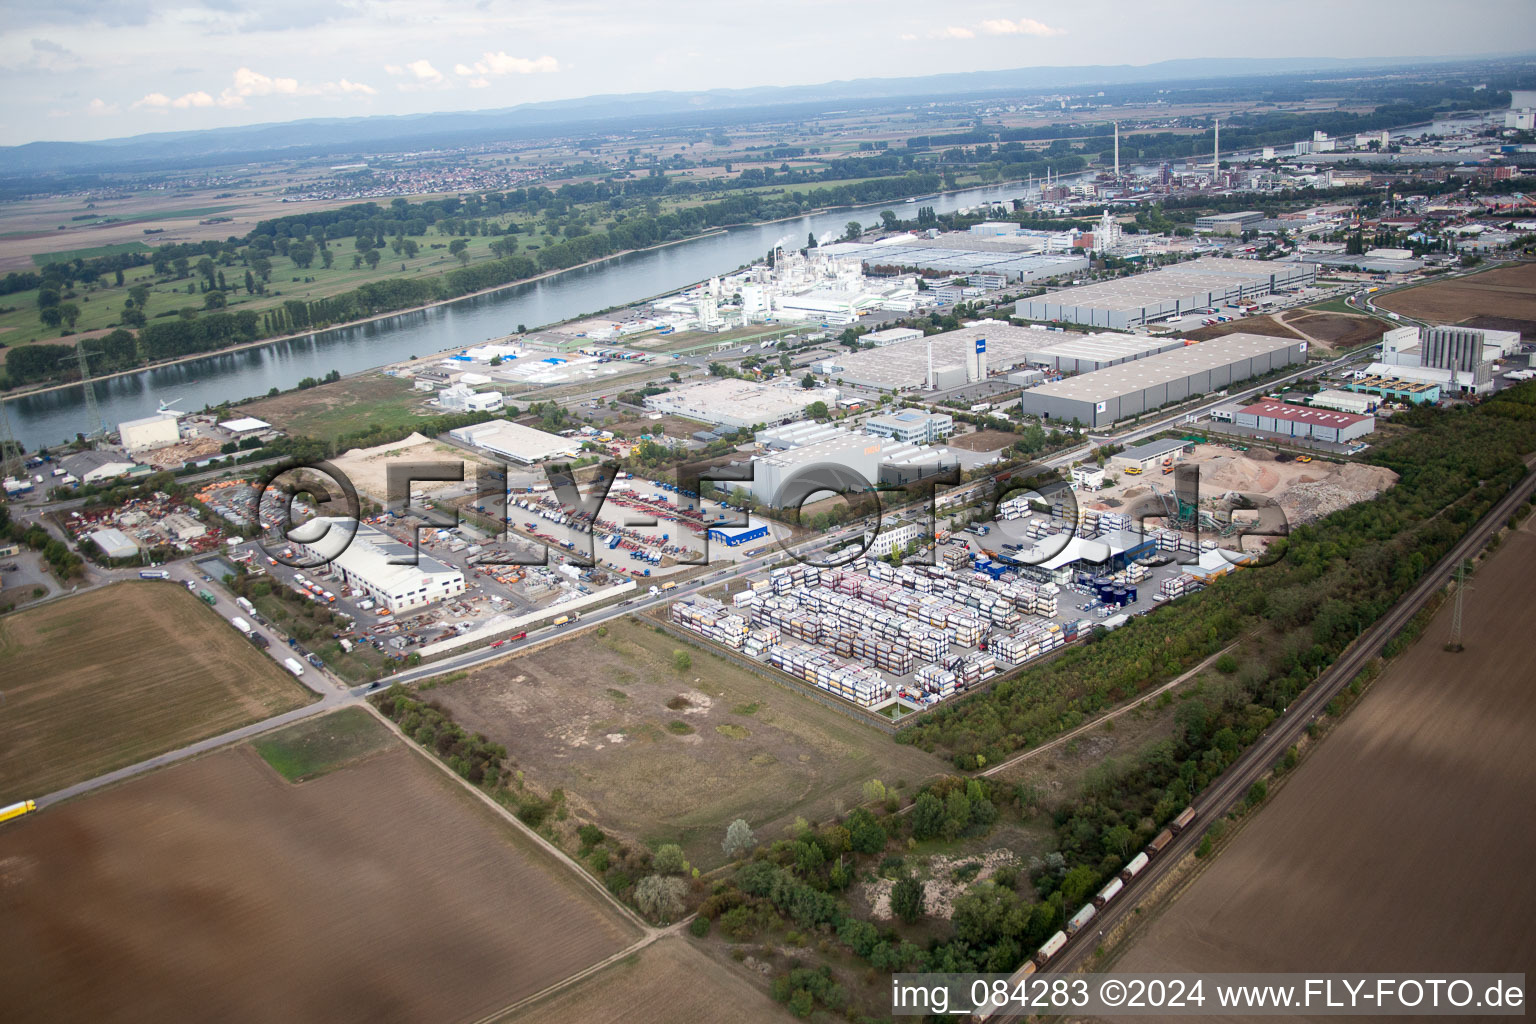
1085 915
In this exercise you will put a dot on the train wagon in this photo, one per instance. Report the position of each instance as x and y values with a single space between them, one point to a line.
1132 869
1156 846
1076 922
1052 946
1178 824
993 1008
1108 893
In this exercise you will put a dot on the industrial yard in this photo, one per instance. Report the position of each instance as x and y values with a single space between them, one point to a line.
215 889
667 755
1440 738
120 674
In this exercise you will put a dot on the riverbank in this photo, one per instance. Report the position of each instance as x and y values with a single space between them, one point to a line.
407 311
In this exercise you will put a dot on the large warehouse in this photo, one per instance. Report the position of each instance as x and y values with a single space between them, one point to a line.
845 455
150 432
1083 353
1106 396
740 403
1128 302
514 441
1303 421
366 565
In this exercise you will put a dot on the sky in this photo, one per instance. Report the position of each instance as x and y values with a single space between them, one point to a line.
85 69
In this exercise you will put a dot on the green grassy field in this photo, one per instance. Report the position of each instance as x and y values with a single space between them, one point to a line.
119 674
344 407
44 258
310 749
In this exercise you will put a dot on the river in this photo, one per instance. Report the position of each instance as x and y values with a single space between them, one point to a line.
53 417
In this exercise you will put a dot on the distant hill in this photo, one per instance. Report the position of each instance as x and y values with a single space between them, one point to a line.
592 114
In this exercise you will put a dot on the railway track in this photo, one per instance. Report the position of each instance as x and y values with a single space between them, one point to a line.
1232 785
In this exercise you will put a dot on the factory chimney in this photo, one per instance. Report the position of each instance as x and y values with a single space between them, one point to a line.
931 384
1117 150
1216 148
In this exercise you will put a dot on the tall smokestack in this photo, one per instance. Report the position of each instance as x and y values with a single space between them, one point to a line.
1216 148
931 384
1117 150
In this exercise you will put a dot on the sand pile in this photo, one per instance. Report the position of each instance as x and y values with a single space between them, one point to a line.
1308 500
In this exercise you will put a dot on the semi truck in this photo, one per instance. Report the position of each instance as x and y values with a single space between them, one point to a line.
294 666
154 574
17 809
245 606
242 625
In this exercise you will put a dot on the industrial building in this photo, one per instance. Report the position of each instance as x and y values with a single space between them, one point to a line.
150 432
94 467
1107 396
895 538
914 426
459 398
889 336
1458 359
1088 352
1395 388
848 456
1343 401
735 536
1149 455
114 543
1229 223
739 404
970 259
1304 421
939 360
1129 302
515 442
245 426
367 565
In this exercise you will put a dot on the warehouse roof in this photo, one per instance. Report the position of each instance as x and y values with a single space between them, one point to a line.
1304 414
1181 279
1118 380
243 424
516 441
1152 450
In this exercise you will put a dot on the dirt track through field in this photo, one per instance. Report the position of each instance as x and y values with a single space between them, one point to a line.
217 891
1405 841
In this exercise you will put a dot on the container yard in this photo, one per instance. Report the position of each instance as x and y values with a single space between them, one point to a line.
883 636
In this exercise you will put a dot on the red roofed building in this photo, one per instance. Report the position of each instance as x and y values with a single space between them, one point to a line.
1304 421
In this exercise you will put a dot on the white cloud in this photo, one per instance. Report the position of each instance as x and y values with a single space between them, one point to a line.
479 83
424 71
952 32
908 36
249 83
344 86
100 108
193 99
154 99
501 63
254 83
1022 27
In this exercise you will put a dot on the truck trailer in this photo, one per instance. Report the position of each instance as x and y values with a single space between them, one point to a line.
242 625
294 666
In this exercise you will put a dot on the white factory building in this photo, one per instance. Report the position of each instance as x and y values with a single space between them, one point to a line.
366 565
1459 359
913 426
1116 393
1128 302
515 442
739 404
460 398
893 538
150 432
778 475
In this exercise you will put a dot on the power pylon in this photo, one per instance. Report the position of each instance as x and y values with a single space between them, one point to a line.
92 413
10 449
1462 586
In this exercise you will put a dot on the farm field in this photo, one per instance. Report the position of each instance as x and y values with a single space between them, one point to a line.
669 980
160 670
1401 829
669 756
1508 292
215 890
1339 331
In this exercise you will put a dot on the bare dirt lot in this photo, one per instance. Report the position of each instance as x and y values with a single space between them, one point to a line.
215 890
1338 331
1266 325
345 406
1503 292
667 756
670 980
368 468
113 676
1400 843
1305 491
982 441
